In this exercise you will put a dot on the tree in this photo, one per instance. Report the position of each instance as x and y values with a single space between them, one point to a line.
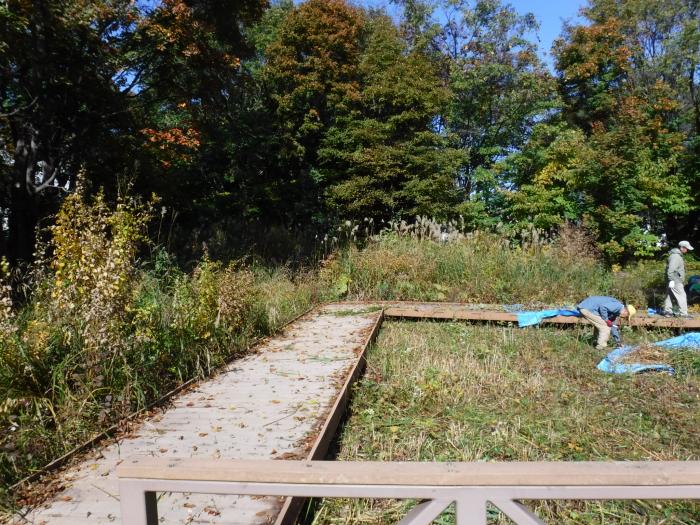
500 88
59 105
117 89
612 159
664 41
312 71
386 159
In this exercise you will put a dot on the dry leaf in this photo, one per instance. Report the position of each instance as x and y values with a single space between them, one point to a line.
212 511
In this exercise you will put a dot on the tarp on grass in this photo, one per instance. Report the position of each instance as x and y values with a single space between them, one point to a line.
533 318
610 363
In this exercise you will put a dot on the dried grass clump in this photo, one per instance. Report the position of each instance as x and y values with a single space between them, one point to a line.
478 267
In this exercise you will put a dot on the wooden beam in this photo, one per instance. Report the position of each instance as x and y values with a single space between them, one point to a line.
530 473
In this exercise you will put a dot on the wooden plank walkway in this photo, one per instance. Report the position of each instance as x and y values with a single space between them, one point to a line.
491 313
282 402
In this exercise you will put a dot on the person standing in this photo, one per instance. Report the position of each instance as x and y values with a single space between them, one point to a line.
602 312
675 275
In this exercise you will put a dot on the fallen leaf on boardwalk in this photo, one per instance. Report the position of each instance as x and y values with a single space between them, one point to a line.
274 451
261 513
275 401
189 505
190 404
216 429
202 434
163 450
212 511
66 498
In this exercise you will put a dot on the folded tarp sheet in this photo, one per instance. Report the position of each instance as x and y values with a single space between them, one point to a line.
611 365
533 318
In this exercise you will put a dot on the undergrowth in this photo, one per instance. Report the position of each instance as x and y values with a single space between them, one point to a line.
421 263
107 333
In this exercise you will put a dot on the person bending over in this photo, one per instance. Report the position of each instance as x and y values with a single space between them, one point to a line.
602 311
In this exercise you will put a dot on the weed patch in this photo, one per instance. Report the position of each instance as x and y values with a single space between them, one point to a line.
459 392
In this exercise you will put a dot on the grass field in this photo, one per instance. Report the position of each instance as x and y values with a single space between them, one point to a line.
459 392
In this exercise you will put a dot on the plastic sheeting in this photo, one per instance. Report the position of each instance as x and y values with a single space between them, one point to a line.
533 318
610 363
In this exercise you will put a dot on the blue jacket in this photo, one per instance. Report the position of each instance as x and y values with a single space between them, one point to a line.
608 308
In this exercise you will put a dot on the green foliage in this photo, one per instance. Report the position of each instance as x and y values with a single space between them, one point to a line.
499 87
385 159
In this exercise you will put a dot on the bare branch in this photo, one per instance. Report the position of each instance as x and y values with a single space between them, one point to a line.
14 112
41 187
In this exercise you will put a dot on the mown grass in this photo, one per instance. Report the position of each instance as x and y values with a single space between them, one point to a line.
459 392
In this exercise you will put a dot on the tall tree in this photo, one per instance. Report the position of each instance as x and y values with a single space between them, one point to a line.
312 68
386 158
115 87
617 167
59 105
663 39
500 88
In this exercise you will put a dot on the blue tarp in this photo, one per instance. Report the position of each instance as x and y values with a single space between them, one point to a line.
611 365
533 318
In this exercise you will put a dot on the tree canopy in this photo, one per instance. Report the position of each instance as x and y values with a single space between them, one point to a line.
252 120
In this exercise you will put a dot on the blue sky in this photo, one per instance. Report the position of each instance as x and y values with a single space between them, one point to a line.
551 15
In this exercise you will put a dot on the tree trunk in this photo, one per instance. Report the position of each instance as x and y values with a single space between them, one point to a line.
23 217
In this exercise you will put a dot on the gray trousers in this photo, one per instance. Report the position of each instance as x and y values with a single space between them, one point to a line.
677 295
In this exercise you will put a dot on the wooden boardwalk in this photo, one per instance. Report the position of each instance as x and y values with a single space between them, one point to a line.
492 313
281 402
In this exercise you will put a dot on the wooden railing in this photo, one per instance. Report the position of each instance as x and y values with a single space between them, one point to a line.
470 486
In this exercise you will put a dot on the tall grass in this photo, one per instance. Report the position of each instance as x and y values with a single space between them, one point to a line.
479 268
430 262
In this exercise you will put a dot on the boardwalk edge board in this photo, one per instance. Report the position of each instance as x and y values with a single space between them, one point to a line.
463 312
